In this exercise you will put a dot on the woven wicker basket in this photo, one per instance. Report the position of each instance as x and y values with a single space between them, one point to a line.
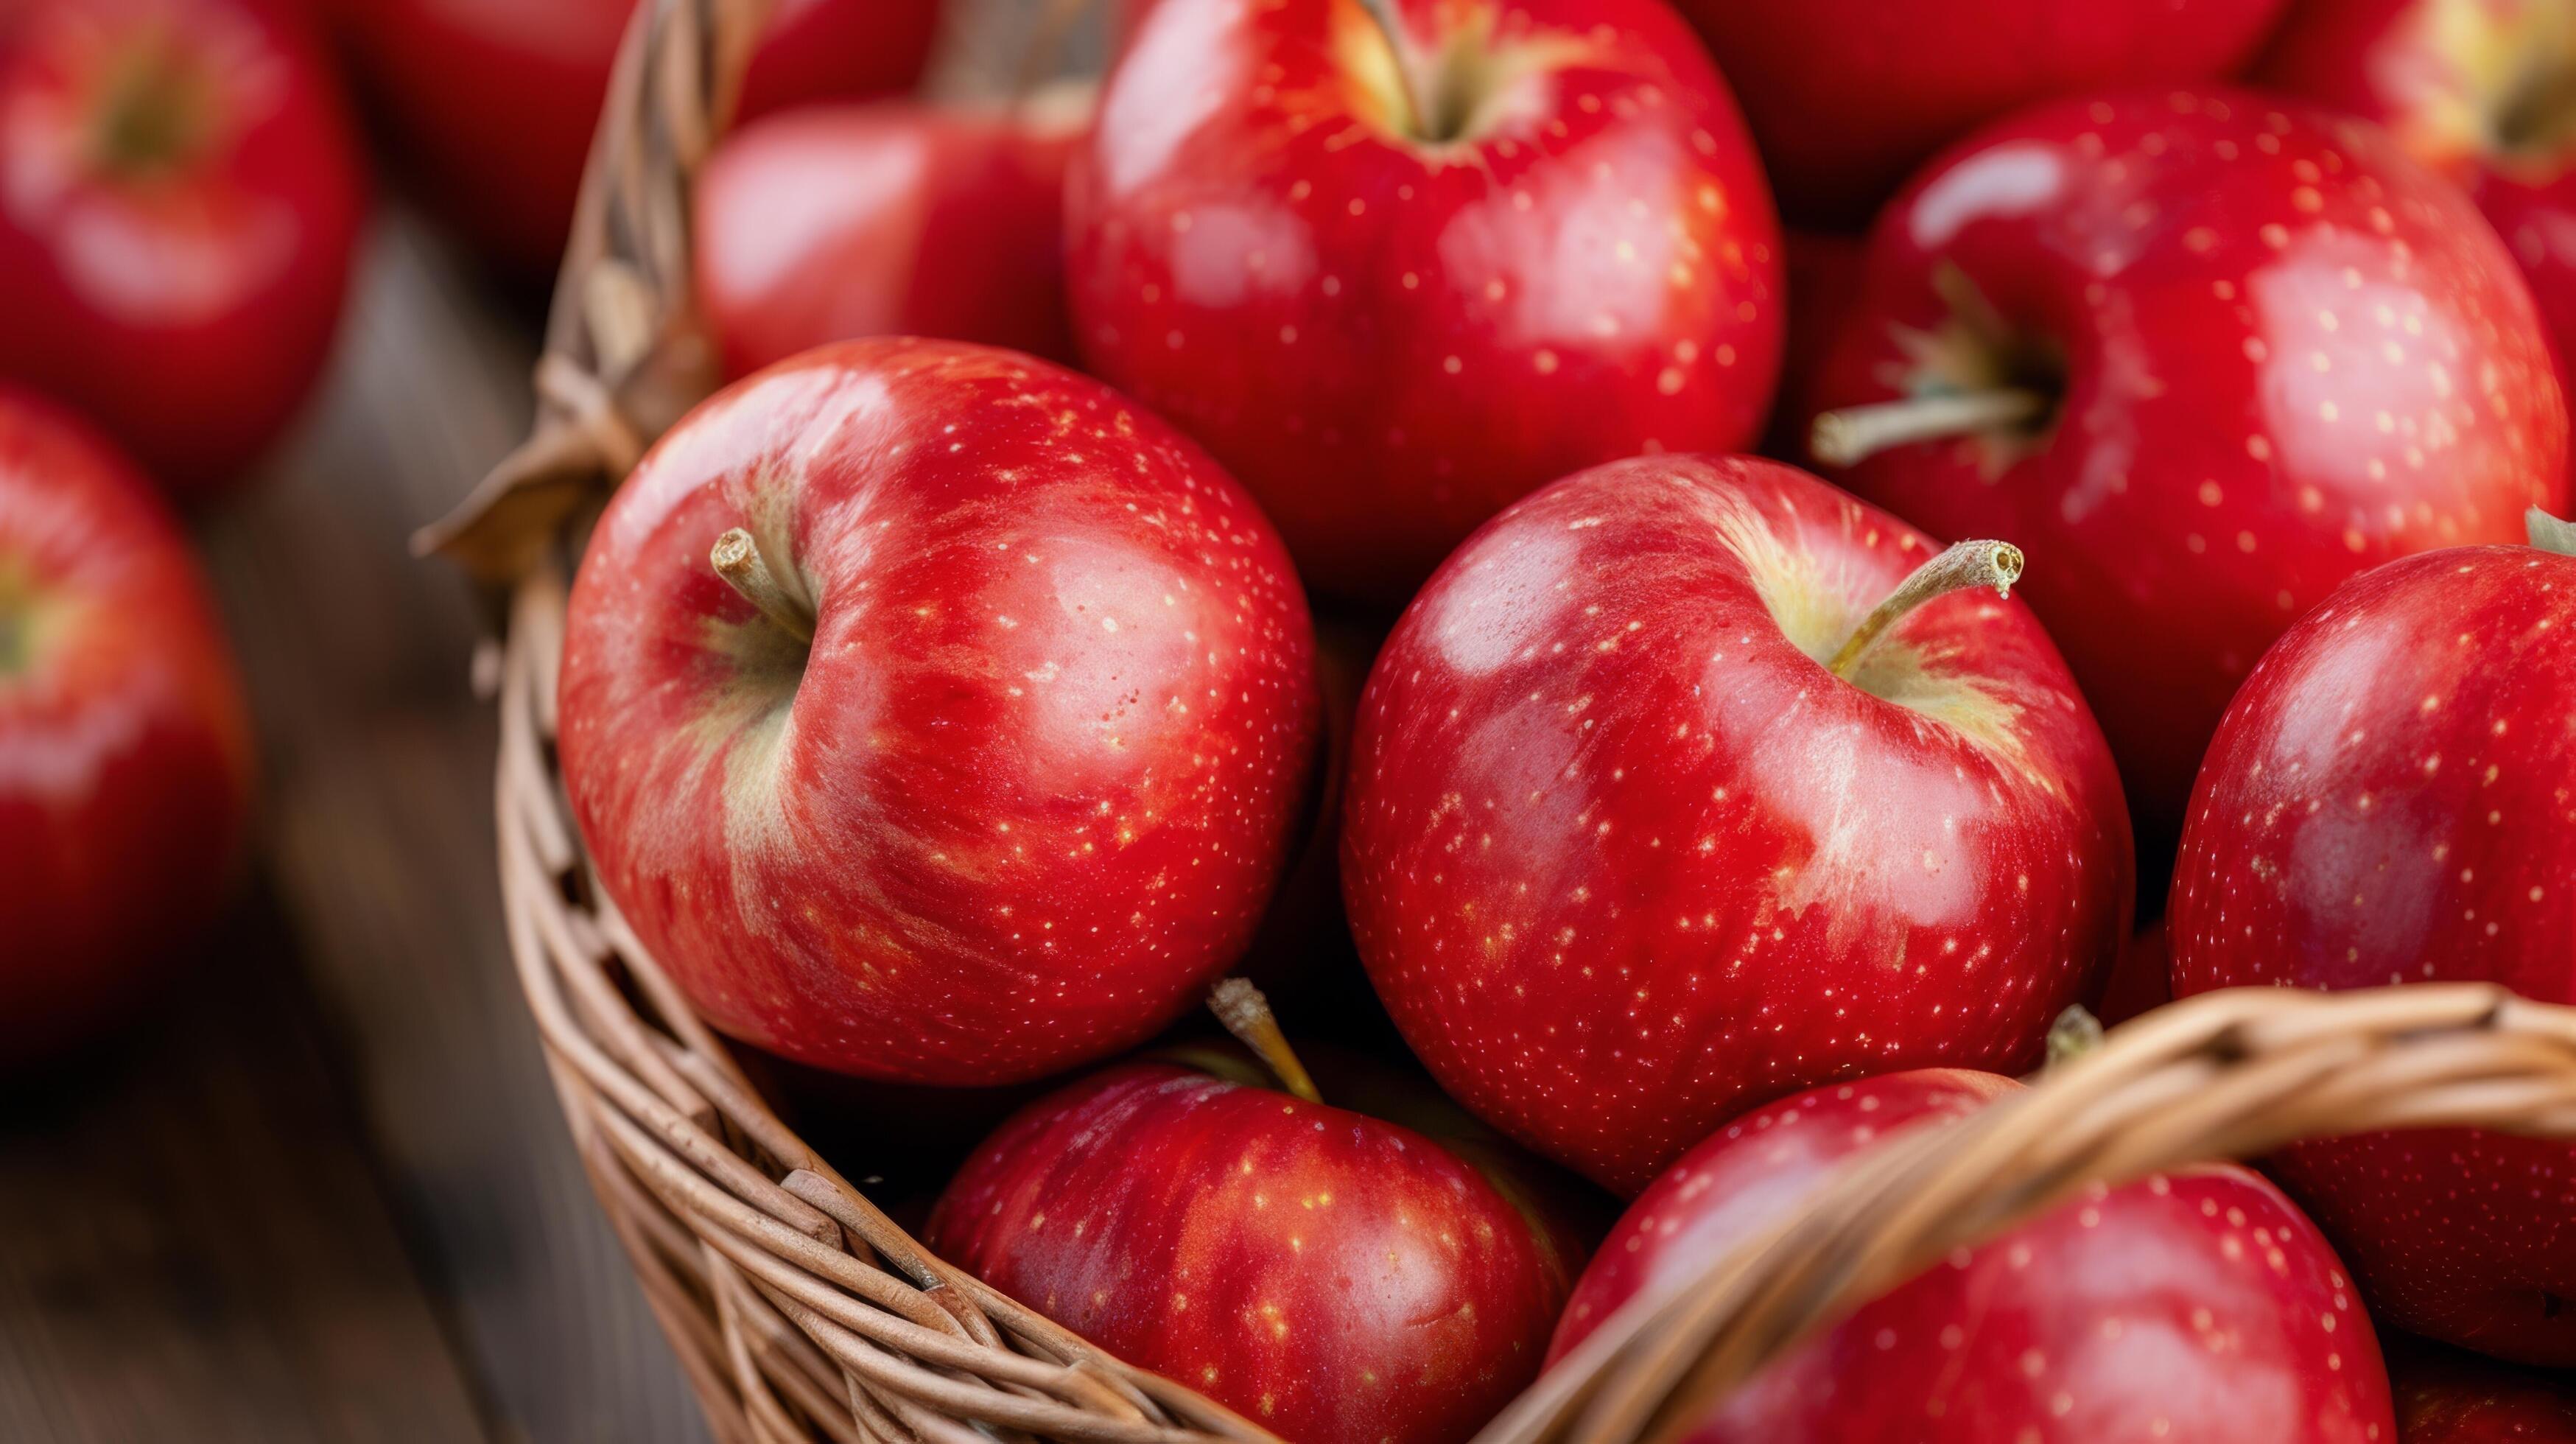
800 1311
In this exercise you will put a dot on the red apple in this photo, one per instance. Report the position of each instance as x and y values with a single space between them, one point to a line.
2393 798
1029 785
1632 845
895 218
179 200
493 102
2190 1306
1846 96
1395 287
2477 89
2449 1398
2208 356
1334 1276
125 754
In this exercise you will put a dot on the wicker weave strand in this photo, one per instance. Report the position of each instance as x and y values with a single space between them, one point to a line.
800 1312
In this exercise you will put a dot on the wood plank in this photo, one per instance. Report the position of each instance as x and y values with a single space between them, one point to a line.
379 765
193 1244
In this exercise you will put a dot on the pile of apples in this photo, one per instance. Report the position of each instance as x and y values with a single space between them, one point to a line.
2186 440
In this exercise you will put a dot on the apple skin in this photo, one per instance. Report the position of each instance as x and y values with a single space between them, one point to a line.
1336 1277
492 103
2392 798
2445 1397
2197 1305
125 752
885 219
181 290
1624 859
1040 774
1388 340
2439 74
1846 96
2289 354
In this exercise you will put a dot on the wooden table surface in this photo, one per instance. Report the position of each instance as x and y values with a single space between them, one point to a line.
323 1192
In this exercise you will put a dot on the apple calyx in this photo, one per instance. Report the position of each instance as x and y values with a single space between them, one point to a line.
1246 1014
2075 1034
152 110
2548 533
1959 567
736 558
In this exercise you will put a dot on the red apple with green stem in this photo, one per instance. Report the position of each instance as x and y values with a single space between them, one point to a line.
1846 96
2195 1305
492 103
936 715
2483 91
2392 798
1338 1277
1682 787
1398 271
125 754
2452 1398
2208 353
888 219
179 200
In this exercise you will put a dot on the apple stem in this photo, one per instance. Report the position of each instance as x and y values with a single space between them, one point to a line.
1962 566
737 559
1856 433
2549 533
2075 1033
1246 1014
1391 26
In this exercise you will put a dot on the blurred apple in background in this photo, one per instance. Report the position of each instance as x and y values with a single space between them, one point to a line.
1659 809
125 754
1385 1270
180 196
2196 1305
895 218
492 103
1846 96
2482 90
2447 1397
936 715
2206 354
1394 285
2392 799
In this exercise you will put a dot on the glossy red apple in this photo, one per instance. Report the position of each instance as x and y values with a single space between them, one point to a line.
2482 90
1846 96
2393 798
2198 1305
1336 1277
493 102
1632 844
179 200
2208 355
893 218
1029 785
125 754
1395 293
2450 1398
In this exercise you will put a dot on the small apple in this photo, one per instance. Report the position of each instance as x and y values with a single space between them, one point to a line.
1677 790
2209 354
1846 96
125 754
1338 1277
1397 278
936 715
2451 1398
2392 798
2482 90
180 197
2197 1305
493 103
891 218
